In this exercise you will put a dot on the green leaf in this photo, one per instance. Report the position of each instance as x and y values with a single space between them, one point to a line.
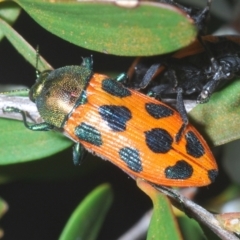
87 218
220 117
190 228
22 46
163 224
148 29
9 12
19 144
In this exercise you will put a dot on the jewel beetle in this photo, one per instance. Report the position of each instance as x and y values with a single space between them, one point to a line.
133 131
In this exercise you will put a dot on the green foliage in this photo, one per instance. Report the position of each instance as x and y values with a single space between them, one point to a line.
39 144
116 30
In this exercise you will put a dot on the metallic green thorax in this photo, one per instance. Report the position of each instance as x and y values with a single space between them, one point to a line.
56 92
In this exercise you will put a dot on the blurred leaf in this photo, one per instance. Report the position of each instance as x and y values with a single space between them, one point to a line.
20 144
163 224
231 164
149 29
230 221
3 207
220 117
9 12
87 218
190 228
229 194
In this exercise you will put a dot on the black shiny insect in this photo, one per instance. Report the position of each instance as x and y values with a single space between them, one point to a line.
196 71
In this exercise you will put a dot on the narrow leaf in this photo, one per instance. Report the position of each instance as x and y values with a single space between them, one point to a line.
9 12
86 220
22 46
189 228
163 224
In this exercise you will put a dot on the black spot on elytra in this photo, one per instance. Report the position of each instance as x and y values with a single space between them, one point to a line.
131 157
158 140
158 110
212 174
181 170
115 116
115 88
194 146
88 134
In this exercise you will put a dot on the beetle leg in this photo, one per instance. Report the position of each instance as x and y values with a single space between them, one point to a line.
183 113
201 18
122 78
211 86
158 90
79 154
34 127
208 90
172 78
216 70
149 75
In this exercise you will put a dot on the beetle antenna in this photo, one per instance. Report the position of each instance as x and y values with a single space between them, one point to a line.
37 60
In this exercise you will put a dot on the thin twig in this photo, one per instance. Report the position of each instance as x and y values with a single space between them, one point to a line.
199 213
22 103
